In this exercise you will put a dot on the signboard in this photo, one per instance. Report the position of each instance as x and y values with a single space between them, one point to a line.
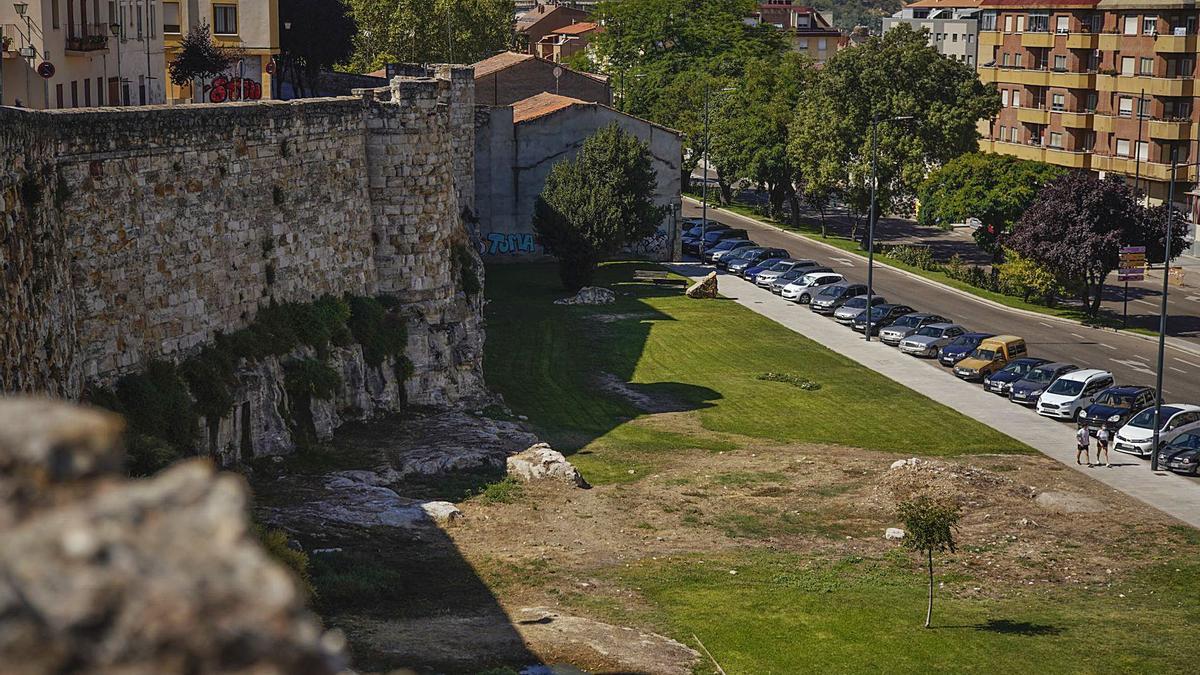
1175 276
1133 263
46 69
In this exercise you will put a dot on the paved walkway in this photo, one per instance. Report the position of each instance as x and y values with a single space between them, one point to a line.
1172 494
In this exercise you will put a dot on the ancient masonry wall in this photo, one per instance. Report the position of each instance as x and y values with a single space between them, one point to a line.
140 233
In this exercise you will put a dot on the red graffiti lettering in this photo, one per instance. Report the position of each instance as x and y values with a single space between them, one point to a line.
233 89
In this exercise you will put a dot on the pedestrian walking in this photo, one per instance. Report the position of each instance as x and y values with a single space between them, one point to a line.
1083 443
1102 438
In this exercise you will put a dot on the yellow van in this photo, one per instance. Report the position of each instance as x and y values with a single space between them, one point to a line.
990 356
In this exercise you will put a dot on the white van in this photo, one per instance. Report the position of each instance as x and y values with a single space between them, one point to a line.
1073 392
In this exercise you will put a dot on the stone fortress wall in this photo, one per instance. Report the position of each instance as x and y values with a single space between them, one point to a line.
138 233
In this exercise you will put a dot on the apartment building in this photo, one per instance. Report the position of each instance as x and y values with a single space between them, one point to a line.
1104 85
953 26
252 26
563 43
95 52
809 31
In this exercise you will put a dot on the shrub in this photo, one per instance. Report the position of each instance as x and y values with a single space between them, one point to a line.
467 275
381 333
156 403
794 380
275 542
310 378
917 256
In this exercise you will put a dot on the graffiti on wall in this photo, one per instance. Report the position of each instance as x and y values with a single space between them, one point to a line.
655 246
224 88
508 243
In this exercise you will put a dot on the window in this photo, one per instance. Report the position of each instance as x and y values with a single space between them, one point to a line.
1089 141
141 90
54 20
1092 98
151 21
1149 25
122 22
1095 23
1016 98
1058 102
1056 139
87 93
970 60
1017 59
171 18
100 91
1127 63
1125 107
822 44
1062 24
139 23
987 21
1039 22
954 37
74 93
1004 97
1131 25
1004 133
803 41
1005 59
225 20
1143 151
1122 147
1145 66
1020 23
1007 23
1060 62
1143 107
58 95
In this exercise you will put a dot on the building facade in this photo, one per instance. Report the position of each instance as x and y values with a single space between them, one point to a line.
1106 85
563 43
509 77
541 20
808 31
251 26
953 26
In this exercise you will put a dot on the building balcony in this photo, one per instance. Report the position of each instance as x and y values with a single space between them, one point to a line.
1034 153
1103 123
1025 76
1069 80
990 38
1174 130
1033 115
1071 159
1109 41
87 37
1128 166
1174 44
1154 86
1074 120
1083 41
1037 40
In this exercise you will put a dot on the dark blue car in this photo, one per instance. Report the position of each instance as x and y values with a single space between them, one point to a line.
1000 382
961 348
1114 406
1027 389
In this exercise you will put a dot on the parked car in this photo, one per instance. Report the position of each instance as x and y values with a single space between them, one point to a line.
991 355
748 260
1182 454
722 261
855 306
808 282
724 247
691 239
768 276
1001 381
1027 389
1114 406
960 348
711 239
882 316
832 297
907 325
1071 393
1137 436
751 273
930 338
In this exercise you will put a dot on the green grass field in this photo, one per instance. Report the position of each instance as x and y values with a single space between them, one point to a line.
693 355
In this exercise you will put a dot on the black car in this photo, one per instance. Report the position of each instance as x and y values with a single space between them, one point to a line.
961 348
1182 455
1114 406
691 238
1027 389
748 260
881 316
1000 382
712 238
724 260
725 246
832 297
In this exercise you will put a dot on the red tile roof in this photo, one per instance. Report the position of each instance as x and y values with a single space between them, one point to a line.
577 28
499 62
540 105
1049 4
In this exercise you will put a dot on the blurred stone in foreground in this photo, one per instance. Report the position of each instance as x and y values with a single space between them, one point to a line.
161 575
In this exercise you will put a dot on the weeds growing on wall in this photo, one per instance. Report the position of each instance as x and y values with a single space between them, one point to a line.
468 277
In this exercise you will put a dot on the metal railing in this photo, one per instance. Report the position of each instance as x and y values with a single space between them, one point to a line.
87 37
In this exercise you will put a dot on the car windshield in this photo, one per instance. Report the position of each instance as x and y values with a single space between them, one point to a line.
880 311
857 302
1040 375
1115 400
1066 387
907 322
930 331
965 341
1017 368
1145 419
832 291
1187 442
984 354
792 274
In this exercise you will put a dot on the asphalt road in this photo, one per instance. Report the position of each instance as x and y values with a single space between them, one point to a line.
1131 360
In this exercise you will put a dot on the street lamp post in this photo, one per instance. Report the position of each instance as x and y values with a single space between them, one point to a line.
704 194
115 29
871 218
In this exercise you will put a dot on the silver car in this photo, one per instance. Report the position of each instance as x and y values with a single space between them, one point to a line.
850 310
767 277
907 325
802 288
931 338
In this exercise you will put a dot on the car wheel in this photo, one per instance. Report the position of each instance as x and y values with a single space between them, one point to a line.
804 299
1079 416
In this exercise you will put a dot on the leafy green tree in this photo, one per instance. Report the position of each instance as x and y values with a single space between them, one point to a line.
321 36
593 205
199 57
434 31
750 132
996 189
929 528
1018 274
897 74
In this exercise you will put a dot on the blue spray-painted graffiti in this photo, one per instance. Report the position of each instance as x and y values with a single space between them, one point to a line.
500 243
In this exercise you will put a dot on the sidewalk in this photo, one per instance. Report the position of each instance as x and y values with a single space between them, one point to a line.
1172 494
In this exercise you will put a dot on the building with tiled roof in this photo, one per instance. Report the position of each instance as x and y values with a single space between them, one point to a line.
808 30
541 20
563 43
508 77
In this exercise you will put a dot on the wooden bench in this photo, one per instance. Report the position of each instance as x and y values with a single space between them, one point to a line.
657 277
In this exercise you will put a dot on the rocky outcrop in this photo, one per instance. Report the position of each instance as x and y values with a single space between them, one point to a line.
161 575
357 499
705 288
541 462
589 295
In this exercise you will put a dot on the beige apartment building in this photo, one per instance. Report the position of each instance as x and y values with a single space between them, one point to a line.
249 25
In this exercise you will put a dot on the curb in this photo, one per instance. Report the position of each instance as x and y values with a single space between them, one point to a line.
1174 343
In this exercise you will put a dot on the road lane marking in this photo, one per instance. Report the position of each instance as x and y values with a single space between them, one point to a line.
1107 346
1146 302
1178 370
1194 365
1193 298
1045 324
1139 358
1076 335
845 261
1134 365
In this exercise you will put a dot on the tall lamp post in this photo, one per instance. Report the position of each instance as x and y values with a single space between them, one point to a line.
875 122
704 194
1162 316
115 29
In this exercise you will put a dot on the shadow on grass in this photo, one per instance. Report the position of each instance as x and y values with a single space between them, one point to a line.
1009 627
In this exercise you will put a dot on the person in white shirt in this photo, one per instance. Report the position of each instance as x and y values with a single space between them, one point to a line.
1102 438
1083 442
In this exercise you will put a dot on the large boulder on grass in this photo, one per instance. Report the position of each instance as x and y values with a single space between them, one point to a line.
705 288
589 295
541 462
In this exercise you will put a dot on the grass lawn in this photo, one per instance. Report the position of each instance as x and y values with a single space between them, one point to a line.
690 355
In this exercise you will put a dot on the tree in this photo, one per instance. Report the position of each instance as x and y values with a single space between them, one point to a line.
996 189
430 31
1153 232
929 528
199 58
321 36
1018 274
593 205
1076 226
896 74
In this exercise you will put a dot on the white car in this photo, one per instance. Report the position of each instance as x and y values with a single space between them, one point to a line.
1073 392
1137 436
802 289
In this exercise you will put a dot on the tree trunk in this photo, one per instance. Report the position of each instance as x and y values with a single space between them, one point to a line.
794 203
777 196
725 193
929 609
